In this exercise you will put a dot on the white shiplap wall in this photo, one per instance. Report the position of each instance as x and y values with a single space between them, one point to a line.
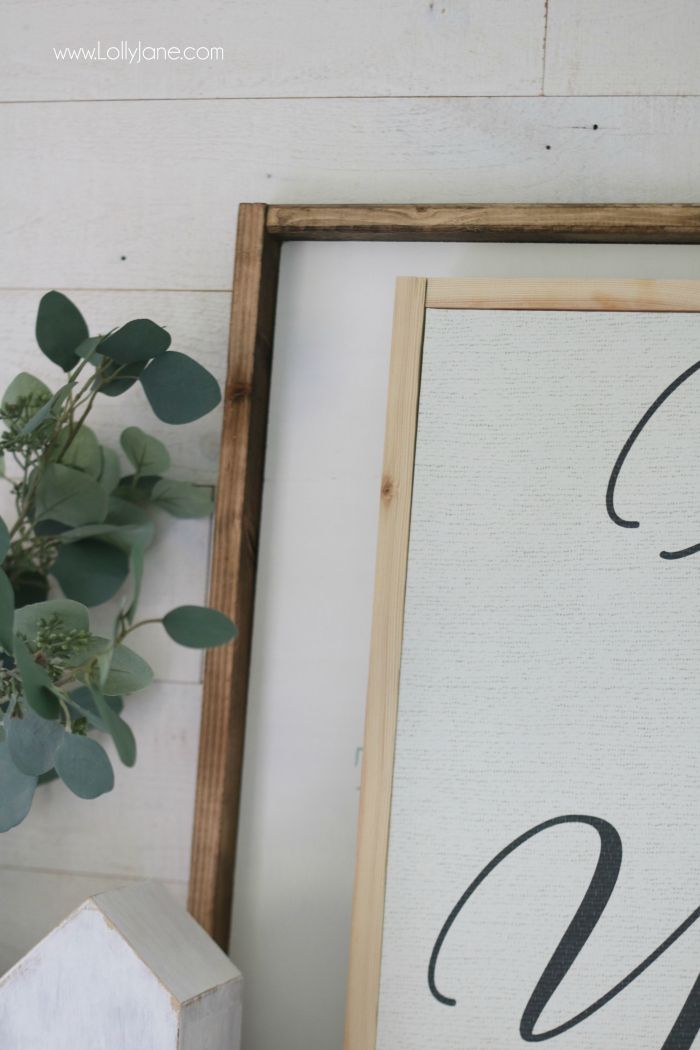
119 184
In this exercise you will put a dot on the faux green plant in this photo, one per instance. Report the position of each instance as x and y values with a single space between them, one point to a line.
82 524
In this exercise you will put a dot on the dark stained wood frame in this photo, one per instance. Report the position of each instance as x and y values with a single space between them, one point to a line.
261 231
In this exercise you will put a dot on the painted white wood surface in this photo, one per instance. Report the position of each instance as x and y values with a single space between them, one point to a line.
160 182
305 48
143 826
156 981
621 47
82 185
314 603
34 901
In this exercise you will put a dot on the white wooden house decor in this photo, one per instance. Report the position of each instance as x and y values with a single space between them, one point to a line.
128 970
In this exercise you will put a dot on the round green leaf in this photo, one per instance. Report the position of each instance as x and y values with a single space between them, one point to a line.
72 614
83 766
136 341
134 527
50 408
82 700
83 452
30 587
199 627
118 729
137 490
90 571
87 349
7 613
147 454
60 329
4 540
70 496
32 742
16 791
35 682
127 674
110 471
182 499
25 386
114 379
179 389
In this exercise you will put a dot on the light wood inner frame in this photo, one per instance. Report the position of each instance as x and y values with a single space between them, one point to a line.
262 229
413 297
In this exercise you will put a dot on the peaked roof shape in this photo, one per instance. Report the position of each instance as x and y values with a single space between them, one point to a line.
129 969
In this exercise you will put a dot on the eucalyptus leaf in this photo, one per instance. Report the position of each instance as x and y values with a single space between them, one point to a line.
81 700
4 540
128 673
136 341
83 452
147 454
137 490
88 349
83 766
115 379
30 587
32 742
179 389
198 627
90 571
7 613
37 685
137 579
16 791
118 729
48 410
110 470
136 527
24 386
70 496
182 499
72 615
122 536
60 329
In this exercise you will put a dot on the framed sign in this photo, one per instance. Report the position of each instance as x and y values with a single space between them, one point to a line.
262 230
528 850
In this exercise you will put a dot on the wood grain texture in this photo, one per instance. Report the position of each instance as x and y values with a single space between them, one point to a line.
171 220
450 293
385 658
233 572
641 223
624 48
305 49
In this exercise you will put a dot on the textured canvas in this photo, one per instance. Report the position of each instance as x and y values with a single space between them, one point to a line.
544 855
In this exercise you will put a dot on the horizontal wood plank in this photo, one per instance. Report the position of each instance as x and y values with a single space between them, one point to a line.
449 293
623 48
369 47
170 209
679 223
